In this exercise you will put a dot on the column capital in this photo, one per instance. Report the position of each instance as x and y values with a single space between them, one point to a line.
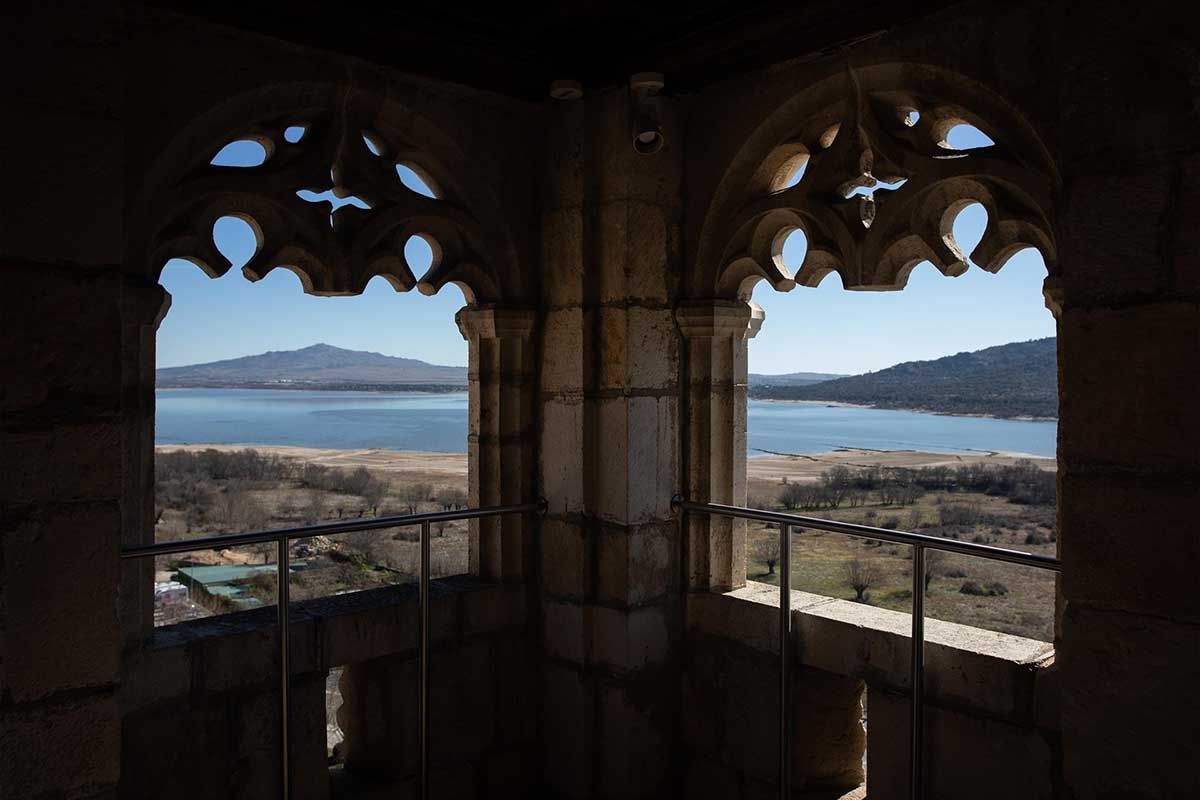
496 322
1053 292
149 302
719 319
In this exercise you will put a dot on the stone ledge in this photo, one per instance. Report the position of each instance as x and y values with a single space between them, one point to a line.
980 671
226 652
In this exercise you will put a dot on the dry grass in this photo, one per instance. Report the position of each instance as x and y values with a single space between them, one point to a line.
819 559
347 562
1027 609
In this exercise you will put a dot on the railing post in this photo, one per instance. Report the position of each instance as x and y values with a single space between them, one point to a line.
785 635
918 670
423 661
282 595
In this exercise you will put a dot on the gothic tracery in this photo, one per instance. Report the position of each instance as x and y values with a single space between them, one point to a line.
332 202
879 191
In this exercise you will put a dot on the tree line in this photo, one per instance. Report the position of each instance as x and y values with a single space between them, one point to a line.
1022 482
214 488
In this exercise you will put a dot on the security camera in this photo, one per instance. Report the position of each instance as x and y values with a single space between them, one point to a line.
647 112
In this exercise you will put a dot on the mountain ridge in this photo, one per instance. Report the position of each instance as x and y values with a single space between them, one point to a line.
1019 379
316 366
793 378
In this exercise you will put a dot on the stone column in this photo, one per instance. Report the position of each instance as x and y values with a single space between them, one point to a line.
609 456
501 372
143 307
715 334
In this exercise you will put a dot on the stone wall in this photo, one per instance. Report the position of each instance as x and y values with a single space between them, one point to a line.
992 700
611 260
1129 434
200 703
60 404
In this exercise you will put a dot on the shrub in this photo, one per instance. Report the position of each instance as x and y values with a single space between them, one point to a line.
766 550
450 499
993 589
959 514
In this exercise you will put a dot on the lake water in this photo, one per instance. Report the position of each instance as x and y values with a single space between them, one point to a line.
438 422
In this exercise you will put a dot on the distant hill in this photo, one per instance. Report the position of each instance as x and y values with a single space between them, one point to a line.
1012 380
791 378
321 366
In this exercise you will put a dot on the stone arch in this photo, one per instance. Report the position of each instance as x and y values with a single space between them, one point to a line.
849 130
852 131
333 253
475 245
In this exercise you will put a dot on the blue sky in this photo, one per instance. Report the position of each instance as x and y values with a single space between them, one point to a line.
230 316
826 329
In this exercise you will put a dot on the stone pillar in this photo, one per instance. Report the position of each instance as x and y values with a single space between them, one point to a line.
501 372
60 405
143 307
609 456
715 334
1129 431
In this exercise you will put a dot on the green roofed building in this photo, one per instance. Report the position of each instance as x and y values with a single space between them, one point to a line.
228 581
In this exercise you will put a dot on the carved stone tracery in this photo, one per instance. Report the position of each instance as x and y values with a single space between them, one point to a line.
334 251
880 191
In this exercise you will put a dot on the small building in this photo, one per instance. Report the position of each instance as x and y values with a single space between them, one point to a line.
229 582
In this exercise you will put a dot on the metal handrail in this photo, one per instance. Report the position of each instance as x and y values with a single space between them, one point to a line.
281 537
920 542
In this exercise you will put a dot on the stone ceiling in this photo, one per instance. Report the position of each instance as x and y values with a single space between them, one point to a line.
518 53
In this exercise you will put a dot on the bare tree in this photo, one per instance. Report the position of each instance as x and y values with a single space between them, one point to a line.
792 495
413 494
368 544
766 550
374 493
756 501
860 576
239 511
449 498
837 482
315 511
935 561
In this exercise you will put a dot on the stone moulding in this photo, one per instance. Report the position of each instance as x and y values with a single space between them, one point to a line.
993 674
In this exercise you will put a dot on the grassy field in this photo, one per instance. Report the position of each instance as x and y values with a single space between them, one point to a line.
972 591
297 486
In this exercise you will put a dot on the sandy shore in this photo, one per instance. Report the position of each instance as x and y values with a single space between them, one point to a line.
765 467
843 404
801 467
451 464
